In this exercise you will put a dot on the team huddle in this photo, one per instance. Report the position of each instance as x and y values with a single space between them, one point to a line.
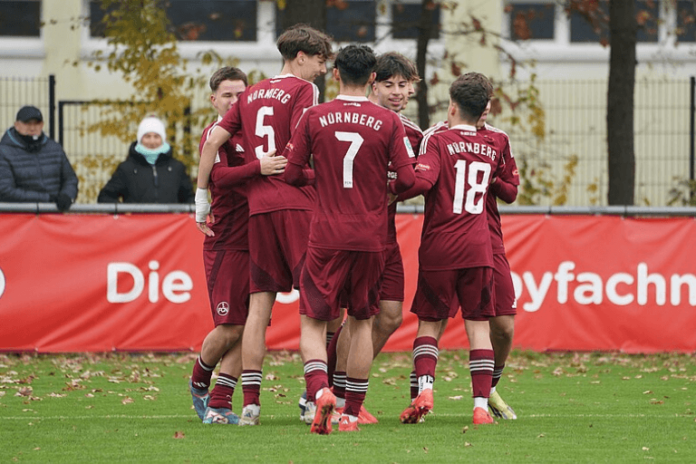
304 196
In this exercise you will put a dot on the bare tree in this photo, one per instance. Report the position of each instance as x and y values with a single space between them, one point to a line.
622 77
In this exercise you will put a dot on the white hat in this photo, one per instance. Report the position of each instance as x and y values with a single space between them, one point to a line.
152 124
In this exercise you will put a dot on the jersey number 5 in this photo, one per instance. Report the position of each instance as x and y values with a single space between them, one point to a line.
355 142
467 183
264 131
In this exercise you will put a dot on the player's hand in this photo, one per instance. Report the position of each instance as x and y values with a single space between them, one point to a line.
203 211
272 165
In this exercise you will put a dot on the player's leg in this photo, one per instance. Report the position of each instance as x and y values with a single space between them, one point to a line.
360 357
391 297
324 272
425 356
502 332
229 305
339 375
435 302
253 352
363 296
477 300
386 322
413 378
219 409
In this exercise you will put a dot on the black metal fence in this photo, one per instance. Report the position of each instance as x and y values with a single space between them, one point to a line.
575 122
574 141
15 92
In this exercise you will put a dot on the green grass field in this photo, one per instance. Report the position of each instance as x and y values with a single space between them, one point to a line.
588 407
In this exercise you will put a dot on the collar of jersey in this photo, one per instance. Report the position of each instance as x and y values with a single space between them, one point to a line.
351 98
465 127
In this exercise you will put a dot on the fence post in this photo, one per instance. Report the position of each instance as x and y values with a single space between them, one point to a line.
52 106
60 123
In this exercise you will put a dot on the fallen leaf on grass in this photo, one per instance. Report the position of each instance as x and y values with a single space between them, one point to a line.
271 377
24 391
178 435
645 448
89 407
89 395
2 393
467 444
37 448
127 400
465 429
425 448
647 392
56 395
541 435
455 398
149 398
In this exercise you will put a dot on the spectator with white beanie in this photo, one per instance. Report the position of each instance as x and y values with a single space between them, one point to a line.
149 174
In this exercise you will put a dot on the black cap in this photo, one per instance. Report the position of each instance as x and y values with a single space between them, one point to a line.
27 113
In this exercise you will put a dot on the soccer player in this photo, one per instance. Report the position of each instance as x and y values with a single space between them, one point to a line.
503 323
394 78
351 142
454 170
279 214
226 257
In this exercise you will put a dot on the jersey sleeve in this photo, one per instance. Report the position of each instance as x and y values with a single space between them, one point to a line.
299 147
428 165
307 97
400 151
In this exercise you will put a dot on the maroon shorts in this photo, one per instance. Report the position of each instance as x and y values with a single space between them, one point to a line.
277 247
505 301
440 294
330 277
227 274
392 288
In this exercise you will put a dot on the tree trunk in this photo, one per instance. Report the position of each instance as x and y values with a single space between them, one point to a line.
425 30
622 74
311 13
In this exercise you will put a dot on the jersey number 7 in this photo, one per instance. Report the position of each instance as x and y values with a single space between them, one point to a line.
355 142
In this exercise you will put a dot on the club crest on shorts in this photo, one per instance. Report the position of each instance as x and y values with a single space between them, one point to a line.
223 308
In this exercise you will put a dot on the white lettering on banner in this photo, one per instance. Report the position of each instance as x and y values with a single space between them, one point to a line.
176 286
288 298
2 283
590 289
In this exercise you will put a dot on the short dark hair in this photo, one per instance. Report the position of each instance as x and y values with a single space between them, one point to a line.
395 64
228 73
355 64
471 92
303 38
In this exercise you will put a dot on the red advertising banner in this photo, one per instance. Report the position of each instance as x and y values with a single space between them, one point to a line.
73 283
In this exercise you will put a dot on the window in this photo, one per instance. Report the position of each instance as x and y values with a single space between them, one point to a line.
406 18
593 25
346 20
532 21
686 21
20 18
202 20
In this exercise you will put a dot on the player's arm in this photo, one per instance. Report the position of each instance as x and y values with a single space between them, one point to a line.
505 184
232 176
297 152
504 190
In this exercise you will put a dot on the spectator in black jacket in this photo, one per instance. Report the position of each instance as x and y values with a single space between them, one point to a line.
34 168
150 174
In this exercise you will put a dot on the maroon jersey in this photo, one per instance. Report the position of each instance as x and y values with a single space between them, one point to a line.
229 206
510 175
351 141
459 163
267 113
415 135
